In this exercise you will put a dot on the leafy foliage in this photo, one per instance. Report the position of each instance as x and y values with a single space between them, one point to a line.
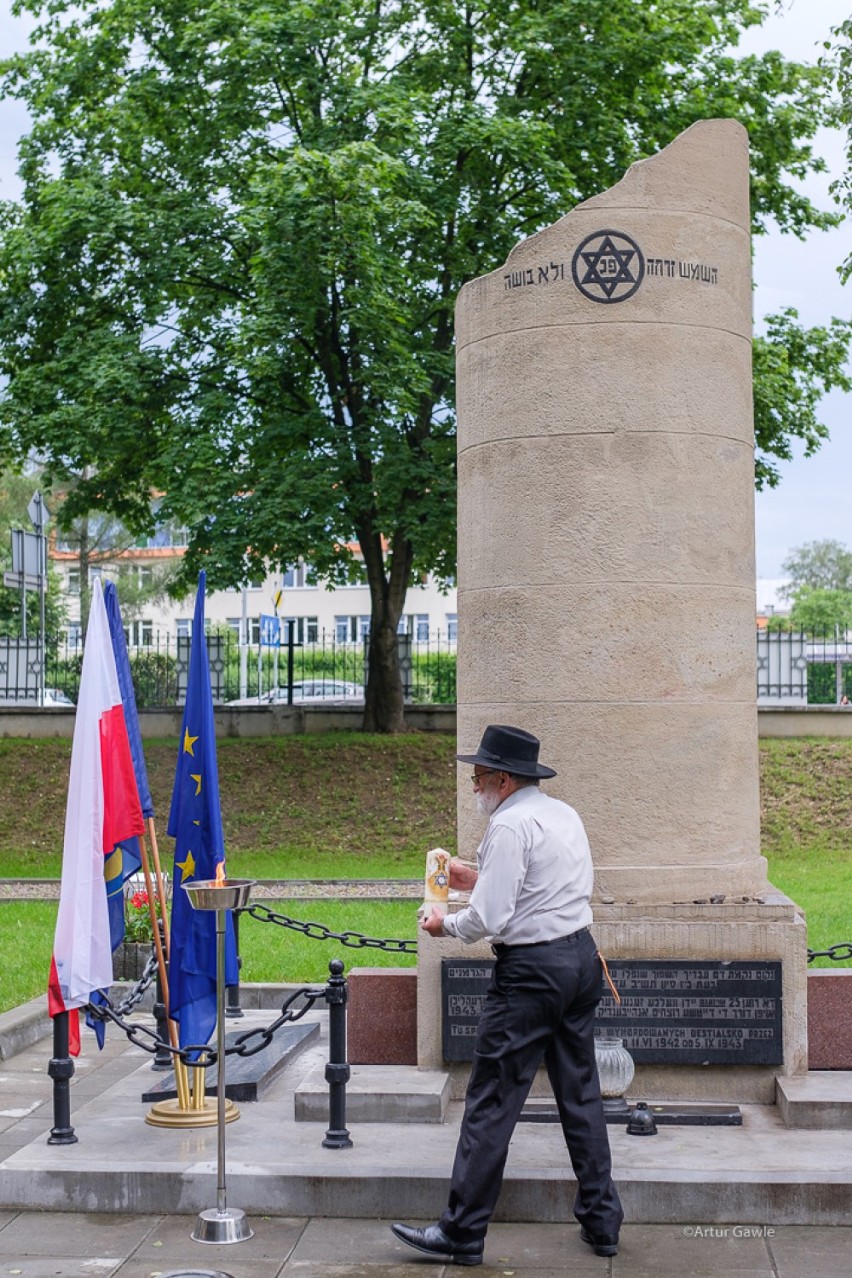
244 227
793 368
818 611
818 565
16 491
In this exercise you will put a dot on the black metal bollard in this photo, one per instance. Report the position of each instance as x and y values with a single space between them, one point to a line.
337 1069
61 1070
162 1057
232 992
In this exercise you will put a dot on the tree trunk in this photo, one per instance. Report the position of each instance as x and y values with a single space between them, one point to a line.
84 555
385 709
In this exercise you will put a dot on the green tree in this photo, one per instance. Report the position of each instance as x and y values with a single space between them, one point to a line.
840 59
818 565
818 610
16 491
244 226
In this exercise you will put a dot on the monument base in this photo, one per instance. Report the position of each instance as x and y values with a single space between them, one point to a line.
766 930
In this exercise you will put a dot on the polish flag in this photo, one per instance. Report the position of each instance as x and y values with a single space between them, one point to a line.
103 809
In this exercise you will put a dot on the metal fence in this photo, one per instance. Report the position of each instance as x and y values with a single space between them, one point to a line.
793 668
798 668
324 672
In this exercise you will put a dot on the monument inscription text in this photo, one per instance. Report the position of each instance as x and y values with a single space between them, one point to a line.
672 1011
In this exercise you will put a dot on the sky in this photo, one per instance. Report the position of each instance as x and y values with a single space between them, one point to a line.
814 498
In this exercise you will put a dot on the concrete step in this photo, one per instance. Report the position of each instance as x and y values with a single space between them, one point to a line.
378 1094
821 1100
760 1174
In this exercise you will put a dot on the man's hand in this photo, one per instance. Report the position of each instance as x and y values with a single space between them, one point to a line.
462 875
434 924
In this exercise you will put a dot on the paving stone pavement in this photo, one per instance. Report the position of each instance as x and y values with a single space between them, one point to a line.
65 1245
80 1244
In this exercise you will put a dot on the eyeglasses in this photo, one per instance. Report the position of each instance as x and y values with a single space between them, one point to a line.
478 776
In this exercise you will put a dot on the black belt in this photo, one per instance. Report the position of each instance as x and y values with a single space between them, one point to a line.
499 946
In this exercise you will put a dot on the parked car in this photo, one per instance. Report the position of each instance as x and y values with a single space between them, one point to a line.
56 697
310 692
52 697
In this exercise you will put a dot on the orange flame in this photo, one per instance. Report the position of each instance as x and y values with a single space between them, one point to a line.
220 874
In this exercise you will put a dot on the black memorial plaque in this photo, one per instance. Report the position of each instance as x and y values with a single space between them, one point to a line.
672 1012
695 1012
463 986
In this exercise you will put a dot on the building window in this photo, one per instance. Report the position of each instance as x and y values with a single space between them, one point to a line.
363 628
342 630
452 627
139 634
421 627
311 630
297 577
73 581
144 574
74 636
404 627
183 626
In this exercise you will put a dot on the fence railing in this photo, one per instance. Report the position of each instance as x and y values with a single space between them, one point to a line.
323 672
793 668
804 668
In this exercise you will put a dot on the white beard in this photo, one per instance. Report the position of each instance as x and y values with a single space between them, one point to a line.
487 804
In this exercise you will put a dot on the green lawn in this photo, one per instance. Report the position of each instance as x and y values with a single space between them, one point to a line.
340 805
269 952
350 806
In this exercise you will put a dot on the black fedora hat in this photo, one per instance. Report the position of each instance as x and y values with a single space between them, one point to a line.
509 750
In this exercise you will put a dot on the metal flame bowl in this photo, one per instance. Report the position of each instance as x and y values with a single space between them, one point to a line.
210 894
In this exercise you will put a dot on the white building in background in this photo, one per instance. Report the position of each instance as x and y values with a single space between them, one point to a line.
340 615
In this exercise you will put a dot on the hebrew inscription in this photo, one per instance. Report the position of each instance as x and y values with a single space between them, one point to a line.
672 1012
609 266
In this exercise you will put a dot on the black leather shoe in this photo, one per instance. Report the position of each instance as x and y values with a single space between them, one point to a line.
432 1241
604 1244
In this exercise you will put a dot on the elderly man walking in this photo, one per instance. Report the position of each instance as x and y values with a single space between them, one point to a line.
530 898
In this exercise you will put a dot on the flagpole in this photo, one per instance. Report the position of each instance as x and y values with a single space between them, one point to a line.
181 1074
161 892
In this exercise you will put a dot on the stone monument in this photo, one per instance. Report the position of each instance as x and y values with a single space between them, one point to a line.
606 584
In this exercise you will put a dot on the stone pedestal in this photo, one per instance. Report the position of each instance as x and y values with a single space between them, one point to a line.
606 558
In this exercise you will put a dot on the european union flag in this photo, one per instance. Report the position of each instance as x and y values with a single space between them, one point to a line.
195 823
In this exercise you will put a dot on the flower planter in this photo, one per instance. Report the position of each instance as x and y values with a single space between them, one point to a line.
128 961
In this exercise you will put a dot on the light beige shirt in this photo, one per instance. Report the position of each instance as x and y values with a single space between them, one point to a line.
535 874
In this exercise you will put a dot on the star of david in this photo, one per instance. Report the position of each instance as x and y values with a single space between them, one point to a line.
608 266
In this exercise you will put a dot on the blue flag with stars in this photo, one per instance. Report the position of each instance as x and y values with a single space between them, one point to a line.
195 823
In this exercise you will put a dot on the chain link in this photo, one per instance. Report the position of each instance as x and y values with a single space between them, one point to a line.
135 995
841 953
252 1041
319 932
245 1045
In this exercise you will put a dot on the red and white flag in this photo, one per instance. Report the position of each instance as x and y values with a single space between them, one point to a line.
103 809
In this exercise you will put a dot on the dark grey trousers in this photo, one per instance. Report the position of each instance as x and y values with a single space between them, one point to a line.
540 1005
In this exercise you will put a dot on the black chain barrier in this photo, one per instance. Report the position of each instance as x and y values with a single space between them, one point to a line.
202 1055
841 953
319 932
244 1045
135 995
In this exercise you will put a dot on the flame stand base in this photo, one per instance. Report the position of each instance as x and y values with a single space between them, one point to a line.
229 1225
168 1113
